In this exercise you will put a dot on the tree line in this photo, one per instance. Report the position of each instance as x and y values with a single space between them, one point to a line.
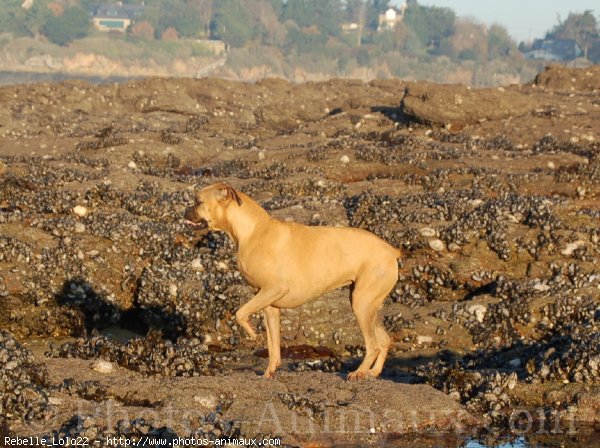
296 26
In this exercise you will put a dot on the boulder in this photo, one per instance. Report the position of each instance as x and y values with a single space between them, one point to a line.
443 105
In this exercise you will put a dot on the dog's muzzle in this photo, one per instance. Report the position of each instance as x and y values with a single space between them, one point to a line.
192 219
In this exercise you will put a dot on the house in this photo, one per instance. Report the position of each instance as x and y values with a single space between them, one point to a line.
391 17
116 17
554 50
349 27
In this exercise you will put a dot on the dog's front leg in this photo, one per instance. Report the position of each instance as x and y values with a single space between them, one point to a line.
272 319
264 298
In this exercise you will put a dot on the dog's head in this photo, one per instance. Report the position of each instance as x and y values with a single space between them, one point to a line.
210 204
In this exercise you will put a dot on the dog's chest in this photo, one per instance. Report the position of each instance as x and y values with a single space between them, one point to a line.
243 267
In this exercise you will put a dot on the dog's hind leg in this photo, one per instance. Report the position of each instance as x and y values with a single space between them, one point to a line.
384 342
365 314
272 320
370 290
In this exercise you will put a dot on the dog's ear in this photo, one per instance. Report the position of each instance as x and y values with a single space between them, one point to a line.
228 192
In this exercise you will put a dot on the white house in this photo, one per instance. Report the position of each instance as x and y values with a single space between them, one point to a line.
391 17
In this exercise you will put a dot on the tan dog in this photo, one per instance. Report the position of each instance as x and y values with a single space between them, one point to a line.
290 264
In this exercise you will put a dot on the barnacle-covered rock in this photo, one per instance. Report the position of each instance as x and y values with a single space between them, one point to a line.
150 355
23 382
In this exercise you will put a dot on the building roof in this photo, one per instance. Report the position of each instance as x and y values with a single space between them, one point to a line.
118 11
554 50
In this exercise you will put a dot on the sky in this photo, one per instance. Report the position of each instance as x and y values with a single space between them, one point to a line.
525 20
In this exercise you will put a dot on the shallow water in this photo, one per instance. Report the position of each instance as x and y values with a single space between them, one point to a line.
520 443
588 437
11 78
450 441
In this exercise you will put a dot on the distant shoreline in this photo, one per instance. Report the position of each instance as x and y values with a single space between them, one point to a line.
24 77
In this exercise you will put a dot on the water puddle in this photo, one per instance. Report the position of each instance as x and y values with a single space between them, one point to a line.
519 443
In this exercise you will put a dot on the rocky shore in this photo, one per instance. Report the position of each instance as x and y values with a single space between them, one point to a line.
118 320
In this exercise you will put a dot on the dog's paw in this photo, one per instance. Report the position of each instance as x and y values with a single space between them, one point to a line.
358 375
252 335
258 339
269 375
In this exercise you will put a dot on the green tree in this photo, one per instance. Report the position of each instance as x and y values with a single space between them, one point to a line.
21 21
231 23
386 40
356 11
468 54
178 14
500 44
88 4
329 16
431 24
326 15
343 63
363 57
299 11
583 28
353 9
73 24
37 16
10 22
277 6
309 40
264 19
203 13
